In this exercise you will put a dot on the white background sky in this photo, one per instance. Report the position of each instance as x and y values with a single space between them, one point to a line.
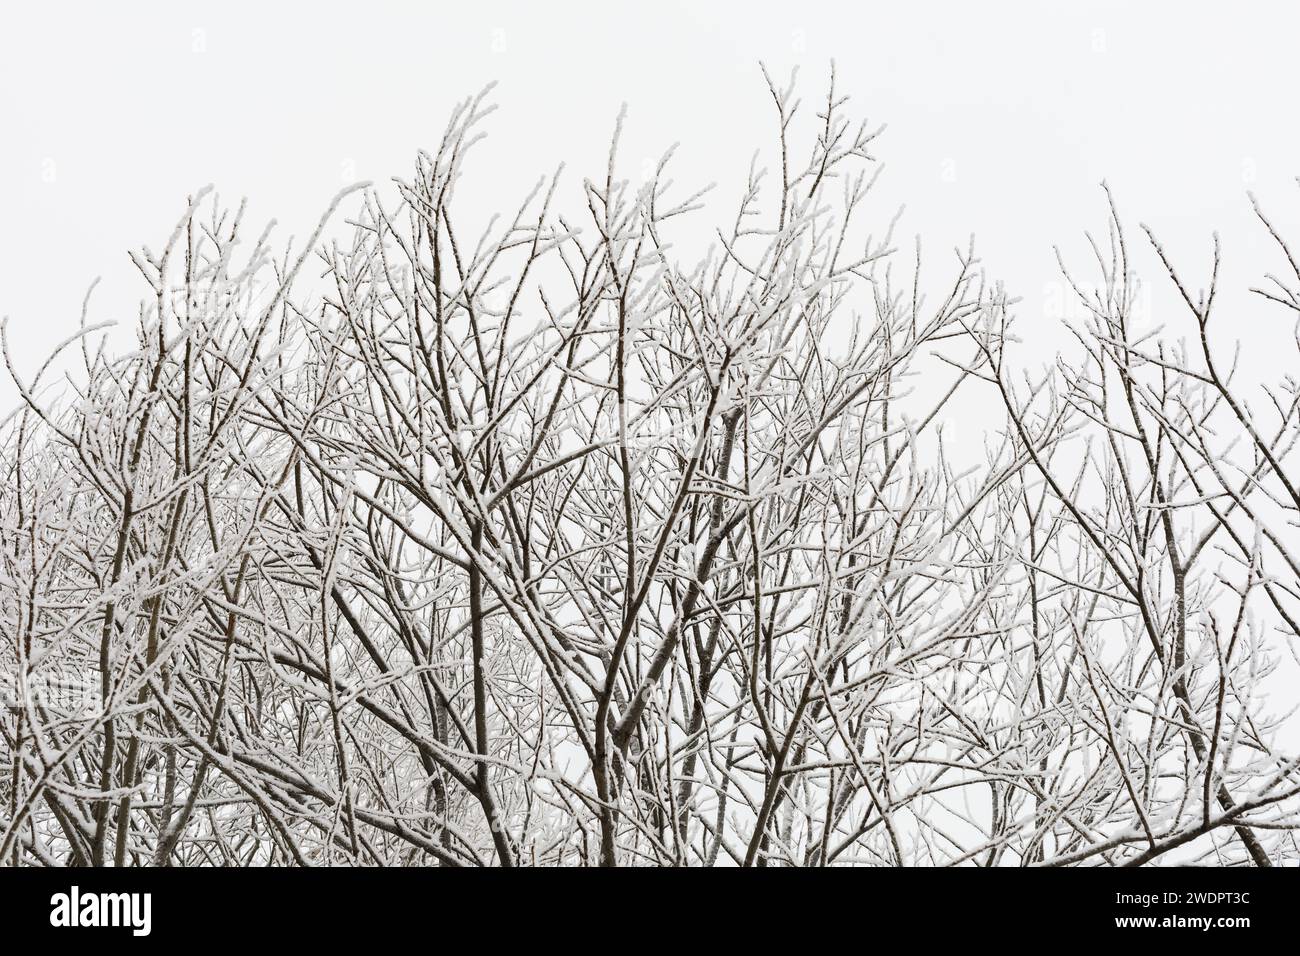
1003 118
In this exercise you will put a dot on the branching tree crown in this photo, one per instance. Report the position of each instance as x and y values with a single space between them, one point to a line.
541 547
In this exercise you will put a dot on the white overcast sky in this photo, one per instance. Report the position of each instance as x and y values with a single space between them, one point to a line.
1003 118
